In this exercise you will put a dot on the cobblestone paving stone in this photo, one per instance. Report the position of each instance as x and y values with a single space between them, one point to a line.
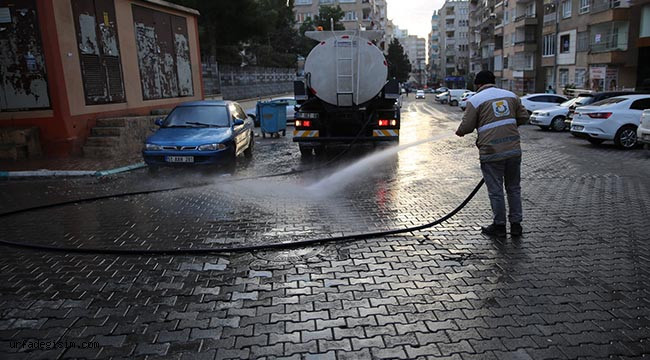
574 286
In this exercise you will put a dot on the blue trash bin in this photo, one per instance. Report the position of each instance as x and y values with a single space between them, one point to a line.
272 117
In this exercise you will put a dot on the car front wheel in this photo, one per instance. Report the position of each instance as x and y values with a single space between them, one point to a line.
626 137
557 124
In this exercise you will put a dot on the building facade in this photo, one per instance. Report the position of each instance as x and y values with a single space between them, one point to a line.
434 50
585 44
66 63
369 14
416 49
454 42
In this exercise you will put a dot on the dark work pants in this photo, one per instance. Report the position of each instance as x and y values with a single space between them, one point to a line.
495 174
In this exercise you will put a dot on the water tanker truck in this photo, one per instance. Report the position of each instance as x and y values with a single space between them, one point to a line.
345 96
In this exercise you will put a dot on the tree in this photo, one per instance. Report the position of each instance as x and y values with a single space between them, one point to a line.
325 13
399 64
263 30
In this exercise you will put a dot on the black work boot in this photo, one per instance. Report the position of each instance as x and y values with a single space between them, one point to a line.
494 230
515 229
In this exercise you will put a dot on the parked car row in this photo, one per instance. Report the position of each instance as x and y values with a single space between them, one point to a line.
595 117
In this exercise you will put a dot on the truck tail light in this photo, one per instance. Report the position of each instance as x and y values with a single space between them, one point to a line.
386 122
600 115
303 123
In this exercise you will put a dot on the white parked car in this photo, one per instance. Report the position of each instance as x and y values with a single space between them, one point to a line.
534 102
463 99
291 111
419 94
643 132
552 117
614 119
442 97
455 95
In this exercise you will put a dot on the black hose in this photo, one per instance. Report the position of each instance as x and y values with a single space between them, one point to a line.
199 251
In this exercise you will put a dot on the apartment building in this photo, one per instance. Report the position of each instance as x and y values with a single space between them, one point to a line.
434 49
416 49
454 42
587 44
369 14
482 42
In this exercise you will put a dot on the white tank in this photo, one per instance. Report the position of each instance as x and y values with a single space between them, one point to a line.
362 68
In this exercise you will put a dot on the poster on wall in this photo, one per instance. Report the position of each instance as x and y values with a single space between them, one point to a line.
603 78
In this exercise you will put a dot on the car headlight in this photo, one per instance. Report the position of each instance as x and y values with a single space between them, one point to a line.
152 147
542 113
212 147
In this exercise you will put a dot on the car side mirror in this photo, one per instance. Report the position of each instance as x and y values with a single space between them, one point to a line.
238 122
159 121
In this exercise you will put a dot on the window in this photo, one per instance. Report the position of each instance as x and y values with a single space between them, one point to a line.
645 22
506 17
303 2
580 77
583 41
641 104
565 44
566 9
549 45
23 79
564 77
505 62
350 16
326 1
530 9
99 52
347 1
584 6
167 71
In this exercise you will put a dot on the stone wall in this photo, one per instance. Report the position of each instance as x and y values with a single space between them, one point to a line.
235 83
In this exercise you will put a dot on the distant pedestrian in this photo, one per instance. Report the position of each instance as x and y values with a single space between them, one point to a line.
496 114
550 90
407 92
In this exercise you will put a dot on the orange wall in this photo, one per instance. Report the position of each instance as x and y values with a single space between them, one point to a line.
65 127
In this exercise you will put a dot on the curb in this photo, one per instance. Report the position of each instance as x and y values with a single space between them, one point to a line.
68 173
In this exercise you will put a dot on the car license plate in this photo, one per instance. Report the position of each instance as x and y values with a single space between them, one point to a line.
179 159
577 127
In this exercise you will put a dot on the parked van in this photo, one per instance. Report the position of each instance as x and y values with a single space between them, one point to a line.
455 95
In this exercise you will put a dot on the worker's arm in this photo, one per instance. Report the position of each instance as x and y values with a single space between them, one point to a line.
469 122
522 114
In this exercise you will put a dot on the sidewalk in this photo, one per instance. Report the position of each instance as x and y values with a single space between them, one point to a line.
83 166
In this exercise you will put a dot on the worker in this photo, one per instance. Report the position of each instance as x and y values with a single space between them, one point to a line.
496 114
550 90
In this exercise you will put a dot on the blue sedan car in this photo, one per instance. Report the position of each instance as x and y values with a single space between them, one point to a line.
200 132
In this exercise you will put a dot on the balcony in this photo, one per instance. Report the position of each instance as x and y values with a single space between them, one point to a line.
450 41
609 37
550 19
604 5
525 20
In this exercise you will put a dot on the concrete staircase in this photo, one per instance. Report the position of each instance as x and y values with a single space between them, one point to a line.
121 136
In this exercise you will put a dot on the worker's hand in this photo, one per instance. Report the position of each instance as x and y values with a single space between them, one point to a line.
459 134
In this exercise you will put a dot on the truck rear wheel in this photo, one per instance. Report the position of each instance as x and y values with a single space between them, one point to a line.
319 150
305 150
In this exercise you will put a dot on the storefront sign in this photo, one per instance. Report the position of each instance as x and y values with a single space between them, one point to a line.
597 73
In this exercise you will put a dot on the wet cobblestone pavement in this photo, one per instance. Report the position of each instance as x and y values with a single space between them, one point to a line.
576 285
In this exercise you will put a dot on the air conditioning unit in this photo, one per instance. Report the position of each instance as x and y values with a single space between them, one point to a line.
493 16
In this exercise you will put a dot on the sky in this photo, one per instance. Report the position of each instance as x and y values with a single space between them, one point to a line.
414 15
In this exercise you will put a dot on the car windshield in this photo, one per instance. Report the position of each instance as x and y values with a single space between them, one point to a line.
198 116
583 100
614 100
569 102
